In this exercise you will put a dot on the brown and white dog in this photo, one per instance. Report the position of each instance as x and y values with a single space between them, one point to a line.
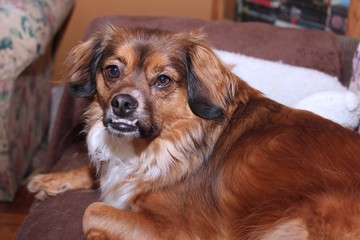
187 150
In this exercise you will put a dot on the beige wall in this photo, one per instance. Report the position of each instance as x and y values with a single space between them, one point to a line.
353 19
86 10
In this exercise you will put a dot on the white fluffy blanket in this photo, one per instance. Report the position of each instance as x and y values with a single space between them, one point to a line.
298 87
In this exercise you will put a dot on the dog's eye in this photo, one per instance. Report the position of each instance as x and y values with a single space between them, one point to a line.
112 71
162 81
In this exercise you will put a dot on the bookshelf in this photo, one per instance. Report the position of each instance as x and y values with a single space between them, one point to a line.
310 14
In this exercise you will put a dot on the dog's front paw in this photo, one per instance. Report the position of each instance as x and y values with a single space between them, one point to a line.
46 185
95 235
93 221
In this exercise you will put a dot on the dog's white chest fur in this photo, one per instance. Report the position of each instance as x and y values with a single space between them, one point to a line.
117 158
165 160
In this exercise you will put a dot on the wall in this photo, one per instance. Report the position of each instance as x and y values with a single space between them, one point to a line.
353 25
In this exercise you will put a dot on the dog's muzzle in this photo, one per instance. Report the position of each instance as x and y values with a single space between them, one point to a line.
121 119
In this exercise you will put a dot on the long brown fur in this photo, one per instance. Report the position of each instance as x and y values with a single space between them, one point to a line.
210 157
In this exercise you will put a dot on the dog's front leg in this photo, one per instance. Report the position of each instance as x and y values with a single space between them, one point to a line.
102 221
51 184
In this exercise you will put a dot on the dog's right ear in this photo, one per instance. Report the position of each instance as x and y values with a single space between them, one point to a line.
82 64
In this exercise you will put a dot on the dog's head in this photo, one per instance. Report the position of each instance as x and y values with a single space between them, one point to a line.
144 80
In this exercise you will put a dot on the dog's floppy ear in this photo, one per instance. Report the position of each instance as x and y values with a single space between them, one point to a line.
82 64
209 84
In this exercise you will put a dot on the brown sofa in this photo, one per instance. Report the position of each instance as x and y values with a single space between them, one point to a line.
60 217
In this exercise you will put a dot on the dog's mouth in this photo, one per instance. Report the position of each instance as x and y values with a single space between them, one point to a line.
122 127
123 123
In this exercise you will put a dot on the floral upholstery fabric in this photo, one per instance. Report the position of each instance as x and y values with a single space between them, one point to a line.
27 29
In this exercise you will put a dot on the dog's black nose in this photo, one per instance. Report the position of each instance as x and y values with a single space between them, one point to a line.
123 105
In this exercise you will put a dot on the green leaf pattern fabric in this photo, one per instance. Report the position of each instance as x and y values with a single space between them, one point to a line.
27 29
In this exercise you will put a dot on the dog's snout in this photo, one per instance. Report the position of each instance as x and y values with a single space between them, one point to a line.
123 105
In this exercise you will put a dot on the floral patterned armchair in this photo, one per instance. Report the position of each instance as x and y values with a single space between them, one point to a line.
27 33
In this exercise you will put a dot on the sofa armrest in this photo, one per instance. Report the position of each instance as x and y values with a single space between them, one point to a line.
27 28
26 41
348 46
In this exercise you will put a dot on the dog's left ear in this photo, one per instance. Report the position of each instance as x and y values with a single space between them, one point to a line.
209 80
83 62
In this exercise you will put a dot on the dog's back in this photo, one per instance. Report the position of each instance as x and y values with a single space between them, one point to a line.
275 173
293 170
